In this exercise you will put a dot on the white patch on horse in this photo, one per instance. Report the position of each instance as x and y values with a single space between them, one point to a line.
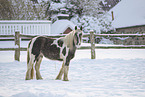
64 57
55 42
30 48
61 49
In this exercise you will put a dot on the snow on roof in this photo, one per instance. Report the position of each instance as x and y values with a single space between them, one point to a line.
66 15
25 21
61 25
128 13
56 6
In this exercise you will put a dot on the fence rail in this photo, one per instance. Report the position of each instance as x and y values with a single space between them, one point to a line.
115 47
17 37
116 35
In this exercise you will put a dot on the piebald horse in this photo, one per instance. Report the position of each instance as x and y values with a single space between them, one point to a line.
62 49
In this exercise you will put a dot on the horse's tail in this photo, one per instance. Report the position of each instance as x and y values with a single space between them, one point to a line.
28 56
28 52
28 60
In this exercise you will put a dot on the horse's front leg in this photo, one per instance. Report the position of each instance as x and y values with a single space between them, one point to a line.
59 76
65 77
66 68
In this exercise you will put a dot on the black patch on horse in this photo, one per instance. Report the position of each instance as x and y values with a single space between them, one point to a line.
45 46
50 50
80 35
77 37
60 43
70 56
37 46
64 51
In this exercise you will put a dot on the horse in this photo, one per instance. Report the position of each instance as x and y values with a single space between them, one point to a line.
61 49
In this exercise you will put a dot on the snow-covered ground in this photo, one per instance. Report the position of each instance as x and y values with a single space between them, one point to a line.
114 73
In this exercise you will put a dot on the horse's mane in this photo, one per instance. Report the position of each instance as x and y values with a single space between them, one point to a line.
68 39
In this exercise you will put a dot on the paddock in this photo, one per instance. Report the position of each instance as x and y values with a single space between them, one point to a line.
114 72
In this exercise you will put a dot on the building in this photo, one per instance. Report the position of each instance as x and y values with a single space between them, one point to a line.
62 25
128 18
108 4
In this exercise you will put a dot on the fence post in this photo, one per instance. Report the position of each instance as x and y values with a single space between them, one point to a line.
17 43
92 40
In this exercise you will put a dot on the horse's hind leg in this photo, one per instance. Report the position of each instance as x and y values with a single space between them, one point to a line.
60 73
37 67
30 70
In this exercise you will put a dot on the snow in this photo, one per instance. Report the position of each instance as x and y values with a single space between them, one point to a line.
88 23
128 13
98 24
63 15
24 21
122 38
61 25
106 41
56 6
114 73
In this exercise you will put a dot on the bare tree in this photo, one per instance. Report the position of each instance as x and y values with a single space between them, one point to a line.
6 11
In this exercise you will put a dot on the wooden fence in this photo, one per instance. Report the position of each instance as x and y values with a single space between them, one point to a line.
92 36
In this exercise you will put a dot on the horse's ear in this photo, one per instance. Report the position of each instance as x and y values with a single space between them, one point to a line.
81 28
75 27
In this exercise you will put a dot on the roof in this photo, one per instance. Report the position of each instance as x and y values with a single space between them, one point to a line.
108 4
61 25
128 13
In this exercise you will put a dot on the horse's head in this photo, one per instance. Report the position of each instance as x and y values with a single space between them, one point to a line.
78 37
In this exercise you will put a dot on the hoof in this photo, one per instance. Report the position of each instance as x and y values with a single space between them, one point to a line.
39 78
58 79
27 79
65 80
